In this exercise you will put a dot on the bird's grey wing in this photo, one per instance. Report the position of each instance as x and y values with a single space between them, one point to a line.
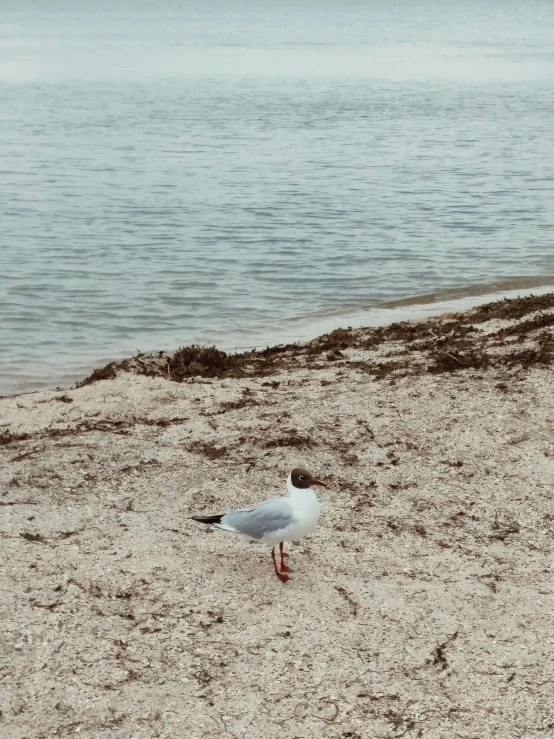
261 519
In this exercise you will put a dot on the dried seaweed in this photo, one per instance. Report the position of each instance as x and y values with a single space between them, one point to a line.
512 308
233 405
31 537
340 338
7 437
103 373
543 320
194 361
435 345
208 449
292 439
453 361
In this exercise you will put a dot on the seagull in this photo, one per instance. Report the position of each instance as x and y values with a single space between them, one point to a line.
276 520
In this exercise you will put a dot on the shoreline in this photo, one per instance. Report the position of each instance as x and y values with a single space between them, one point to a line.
417 348
421 603
304 329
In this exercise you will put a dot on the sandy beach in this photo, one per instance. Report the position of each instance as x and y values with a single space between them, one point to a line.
421 606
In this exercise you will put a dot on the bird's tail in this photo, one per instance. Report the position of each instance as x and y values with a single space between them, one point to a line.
209 520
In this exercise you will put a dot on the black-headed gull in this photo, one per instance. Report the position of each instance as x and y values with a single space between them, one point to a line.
276 520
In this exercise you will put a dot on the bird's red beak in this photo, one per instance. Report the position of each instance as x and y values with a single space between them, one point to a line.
318 482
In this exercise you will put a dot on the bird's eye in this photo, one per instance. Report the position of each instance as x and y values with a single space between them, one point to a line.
302 477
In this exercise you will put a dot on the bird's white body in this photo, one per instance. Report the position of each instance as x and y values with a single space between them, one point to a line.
278 519
305 511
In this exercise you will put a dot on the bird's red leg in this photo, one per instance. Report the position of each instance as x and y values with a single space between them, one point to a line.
284 568
282 578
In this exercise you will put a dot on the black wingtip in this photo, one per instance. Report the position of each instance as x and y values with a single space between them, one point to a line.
208 519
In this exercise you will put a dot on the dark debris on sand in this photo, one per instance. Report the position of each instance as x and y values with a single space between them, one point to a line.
438 345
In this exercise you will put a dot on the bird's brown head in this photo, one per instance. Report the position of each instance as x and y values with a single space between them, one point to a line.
303 479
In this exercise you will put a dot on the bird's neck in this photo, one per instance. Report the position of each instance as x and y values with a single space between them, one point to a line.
299 493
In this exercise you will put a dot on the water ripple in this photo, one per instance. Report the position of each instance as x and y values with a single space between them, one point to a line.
185 179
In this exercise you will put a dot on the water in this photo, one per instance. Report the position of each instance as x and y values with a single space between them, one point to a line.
184 172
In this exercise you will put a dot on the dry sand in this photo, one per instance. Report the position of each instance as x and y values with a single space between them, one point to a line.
420 607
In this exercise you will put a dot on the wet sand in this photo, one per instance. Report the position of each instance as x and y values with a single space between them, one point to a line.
420 606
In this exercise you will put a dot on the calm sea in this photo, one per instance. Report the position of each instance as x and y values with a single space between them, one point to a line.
176 171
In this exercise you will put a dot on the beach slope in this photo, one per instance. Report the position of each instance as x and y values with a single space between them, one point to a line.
420 606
